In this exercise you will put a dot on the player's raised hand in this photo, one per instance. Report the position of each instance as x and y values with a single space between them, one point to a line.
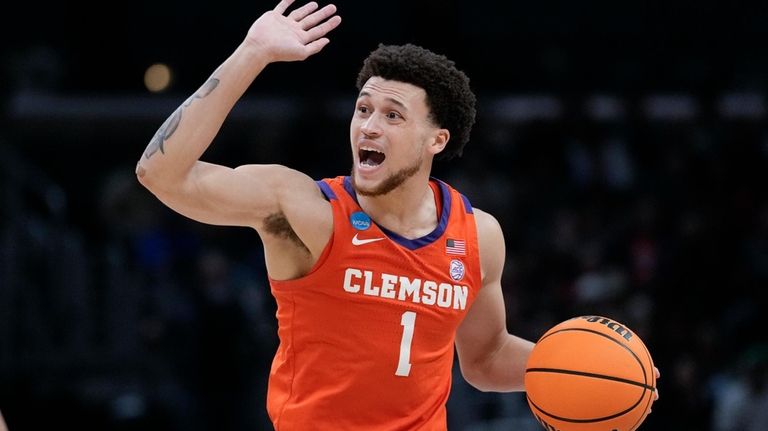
293 36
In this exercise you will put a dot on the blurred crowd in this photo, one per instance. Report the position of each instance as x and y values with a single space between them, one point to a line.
116 313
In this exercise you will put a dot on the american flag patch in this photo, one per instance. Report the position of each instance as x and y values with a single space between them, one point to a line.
456 246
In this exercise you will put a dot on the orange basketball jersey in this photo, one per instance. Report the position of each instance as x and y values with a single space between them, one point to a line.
366 338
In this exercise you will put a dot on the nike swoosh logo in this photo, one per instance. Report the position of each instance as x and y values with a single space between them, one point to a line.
357 241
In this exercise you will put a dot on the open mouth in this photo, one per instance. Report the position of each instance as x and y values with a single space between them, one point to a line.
370 157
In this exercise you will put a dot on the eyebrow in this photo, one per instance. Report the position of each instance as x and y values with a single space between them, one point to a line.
390 99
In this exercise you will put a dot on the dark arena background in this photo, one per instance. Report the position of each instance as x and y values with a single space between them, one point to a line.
623 146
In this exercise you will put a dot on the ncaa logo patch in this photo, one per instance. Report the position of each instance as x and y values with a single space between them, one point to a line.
457 269
360 220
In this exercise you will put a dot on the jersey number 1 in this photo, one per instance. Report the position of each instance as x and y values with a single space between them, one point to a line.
408 321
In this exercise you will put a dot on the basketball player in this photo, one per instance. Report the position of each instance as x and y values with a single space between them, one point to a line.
377 275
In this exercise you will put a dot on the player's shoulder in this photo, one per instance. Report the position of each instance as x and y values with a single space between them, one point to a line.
486 222
489 232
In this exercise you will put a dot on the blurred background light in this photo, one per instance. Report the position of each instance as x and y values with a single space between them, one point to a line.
158 78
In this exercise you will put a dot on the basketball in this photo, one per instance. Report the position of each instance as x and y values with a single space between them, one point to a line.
590 373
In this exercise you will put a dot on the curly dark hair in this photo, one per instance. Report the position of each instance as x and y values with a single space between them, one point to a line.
449 98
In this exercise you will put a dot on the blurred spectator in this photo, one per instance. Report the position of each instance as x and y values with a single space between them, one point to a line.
742 395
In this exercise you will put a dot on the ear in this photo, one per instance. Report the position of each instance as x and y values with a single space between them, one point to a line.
439 141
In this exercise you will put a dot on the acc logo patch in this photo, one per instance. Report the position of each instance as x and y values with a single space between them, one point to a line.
457 269
360 220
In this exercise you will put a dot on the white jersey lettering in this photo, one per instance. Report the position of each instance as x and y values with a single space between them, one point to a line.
444 293
460 297
348 274
429 292
369 289
409 288
404 289
388 285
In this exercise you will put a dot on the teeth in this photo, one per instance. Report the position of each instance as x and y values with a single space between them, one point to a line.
371 149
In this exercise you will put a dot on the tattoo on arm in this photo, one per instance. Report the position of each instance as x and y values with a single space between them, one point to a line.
172 123
205 90
163 133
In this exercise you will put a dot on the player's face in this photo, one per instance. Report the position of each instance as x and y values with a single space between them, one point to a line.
391 136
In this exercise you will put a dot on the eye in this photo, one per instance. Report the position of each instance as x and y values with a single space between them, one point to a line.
362 109
392 115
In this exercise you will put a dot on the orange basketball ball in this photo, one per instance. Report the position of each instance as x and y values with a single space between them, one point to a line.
590 373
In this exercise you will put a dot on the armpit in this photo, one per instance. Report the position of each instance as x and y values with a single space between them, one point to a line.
276 224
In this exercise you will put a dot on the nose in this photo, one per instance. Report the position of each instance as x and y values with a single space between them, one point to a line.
370 127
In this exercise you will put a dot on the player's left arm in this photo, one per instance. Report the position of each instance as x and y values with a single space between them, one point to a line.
491 358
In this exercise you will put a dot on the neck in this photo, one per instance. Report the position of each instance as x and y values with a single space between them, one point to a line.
409 210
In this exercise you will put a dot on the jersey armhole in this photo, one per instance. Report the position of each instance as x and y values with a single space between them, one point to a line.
330 196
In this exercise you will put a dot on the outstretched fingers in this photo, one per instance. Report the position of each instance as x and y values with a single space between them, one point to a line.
318 31
301 32
316 46
283 6
302 12
309 21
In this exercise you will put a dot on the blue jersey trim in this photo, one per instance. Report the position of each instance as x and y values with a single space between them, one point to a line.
413 244
467 205
326 189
